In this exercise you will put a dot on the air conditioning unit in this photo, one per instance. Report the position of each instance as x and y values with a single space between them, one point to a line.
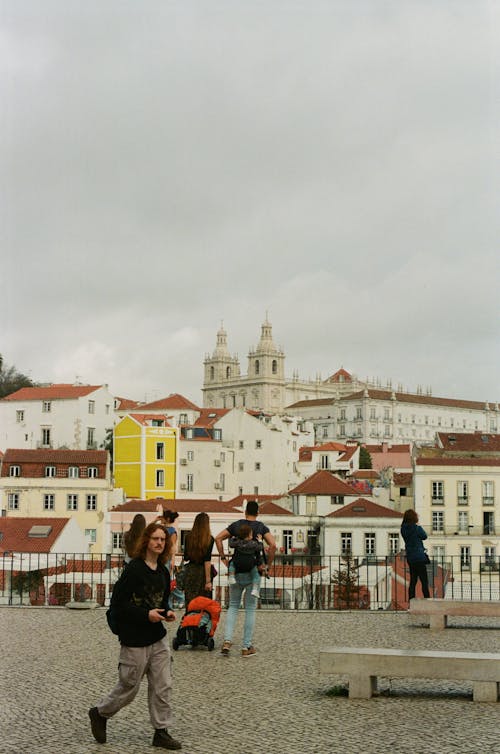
216 462
183 462
183 486
217 486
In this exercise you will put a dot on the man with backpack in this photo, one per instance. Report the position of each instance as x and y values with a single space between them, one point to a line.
243 580
138 610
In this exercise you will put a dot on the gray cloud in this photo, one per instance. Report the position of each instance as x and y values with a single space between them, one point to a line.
170 165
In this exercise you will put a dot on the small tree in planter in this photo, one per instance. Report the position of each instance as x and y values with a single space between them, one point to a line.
28 581
348 593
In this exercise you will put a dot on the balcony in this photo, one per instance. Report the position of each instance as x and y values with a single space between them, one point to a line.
488 500
437 500
463 501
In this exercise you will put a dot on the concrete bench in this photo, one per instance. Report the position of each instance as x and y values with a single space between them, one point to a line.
438 610
365 665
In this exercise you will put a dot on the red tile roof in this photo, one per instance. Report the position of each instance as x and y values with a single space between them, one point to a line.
181 506
340 376
388 448
403 480
122 404
209 416
171 402
267 504
350 451
144 419
469 441
322 483
68 457
458 461
52 392
14 534
338 446
312 402
428 400
362 508
365 474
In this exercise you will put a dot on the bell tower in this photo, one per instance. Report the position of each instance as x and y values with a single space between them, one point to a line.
266 372
221 369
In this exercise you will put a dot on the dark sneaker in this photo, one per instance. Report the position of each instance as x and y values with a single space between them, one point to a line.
249 652
98 725
164 740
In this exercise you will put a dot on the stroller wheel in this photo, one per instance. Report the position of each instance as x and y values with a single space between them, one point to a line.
175 643
210 644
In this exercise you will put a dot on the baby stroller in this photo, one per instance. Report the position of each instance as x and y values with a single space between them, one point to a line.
198 624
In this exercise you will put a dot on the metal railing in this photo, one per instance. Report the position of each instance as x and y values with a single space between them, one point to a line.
297 581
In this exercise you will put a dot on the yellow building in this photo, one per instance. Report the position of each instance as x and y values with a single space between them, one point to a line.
145 456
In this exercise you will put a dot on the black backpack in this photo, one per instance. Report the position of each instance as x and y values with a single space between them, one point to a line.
243 561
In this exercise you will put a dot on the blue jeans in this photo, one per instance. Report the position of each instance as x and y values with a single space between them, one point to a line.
243 586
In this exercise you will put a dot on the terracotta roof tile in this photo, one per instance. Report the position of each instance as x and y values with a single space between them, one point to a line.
52 392
181 506
173 401
322 483
144 419
403 480
69 457
365 474
458 461
15 532
428 400
362 508
469 441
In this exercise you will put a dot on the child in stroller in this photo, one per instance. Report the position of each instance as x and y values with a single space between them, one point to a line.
198 625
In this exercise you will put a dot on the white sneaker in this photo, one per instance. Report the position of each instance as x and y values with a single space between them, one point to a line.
255 591
231 579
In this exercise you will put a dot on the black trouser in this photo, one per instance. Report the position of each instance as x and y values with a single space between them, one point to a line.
418 571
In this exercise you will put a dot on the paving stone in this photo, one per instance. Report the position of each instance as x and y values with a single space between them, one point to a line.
56 664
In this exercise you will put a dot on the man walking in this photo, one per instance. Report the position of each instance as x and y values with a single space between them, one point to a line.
243 581
140 602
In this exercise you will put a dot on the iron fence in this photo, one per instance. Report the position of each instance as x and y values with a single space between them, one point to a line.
296 581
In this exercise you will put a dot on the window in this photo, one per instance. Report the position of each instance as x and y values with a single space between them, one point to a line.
463 522
189 482
222 456
91 502
106 408
465 558
257 466
359 414
91 407
157 422
437 521
241 444
437 493
222 481
387 430
258 444
336 499
342 430
488 493
14 471
92 535
386 414
117 540
160 451
462 493
72 502
46 437
343 416
488 522
217 434
183 418
346 543
47 407
241 466
92 472
160 478
190 455
19 416
255 490
311 505
287 540
490 555
274 366
439 553
325 430
13 501
212 373
393 544
73 472
50 471
91 437
48 502
369 543
323 462
257 367
372 413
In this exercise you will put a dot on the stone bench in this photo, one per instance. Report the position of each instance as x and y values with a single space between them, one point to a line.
438 610
365 665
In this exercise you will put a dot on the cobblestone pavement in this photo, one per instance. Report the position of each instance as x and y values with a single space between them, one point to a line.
56 663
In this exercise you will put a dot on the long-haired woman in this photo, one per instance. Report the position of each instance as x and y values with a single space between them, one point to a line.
132 536
198 552
416 556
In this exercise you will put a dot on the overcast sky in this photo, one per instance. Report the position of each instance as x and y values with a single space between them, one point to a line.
168 165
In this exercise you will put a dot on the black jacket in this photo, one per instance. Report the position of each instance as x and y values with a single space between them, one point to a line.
139 590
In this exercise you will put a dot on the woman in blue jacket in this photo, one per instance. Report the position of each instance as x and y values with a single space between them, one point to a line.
416 556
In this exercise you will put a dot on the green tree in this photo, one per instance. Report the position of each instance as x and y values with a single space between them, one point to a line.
365 459
346 586
27 581
11 380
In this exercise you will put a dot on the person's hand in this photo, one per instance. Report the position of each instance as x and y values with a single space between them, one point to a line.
156 615
170 616
208 586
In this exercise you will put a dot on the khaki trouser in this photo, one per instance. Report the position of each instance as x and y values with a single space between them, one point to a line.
135 662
